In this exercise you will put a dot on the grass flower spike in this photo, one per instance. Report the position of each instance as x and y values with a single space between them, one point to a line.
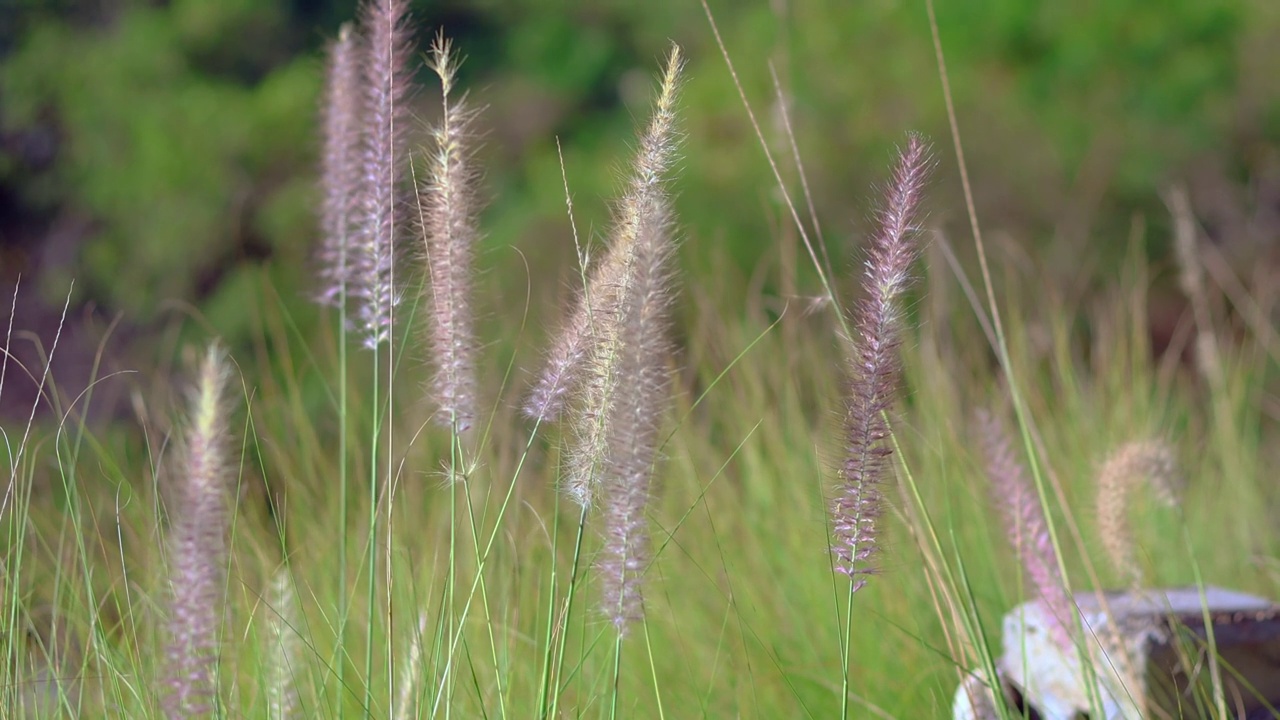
628 296
1025 525
284 650
198 545
600 297
626 379
875 367
1149 460
387 81
340 166
447 202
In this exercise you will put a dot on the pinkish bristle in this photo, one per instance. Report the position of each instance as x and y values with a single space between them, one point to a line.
874 368
341 166
198 546
1025 524
387 81
447 199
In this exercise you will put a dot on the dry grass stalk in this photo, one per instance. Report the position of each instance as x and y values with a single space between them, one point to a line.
629 297
1191 278
284 652
620 350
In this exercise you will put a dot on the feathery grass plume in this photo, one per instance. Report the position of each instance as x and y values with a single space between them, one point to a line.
411 674
1144 460
1025 524
283 654
640 351
550 393
626 377
387 81
340 165
600 298
447 198
198 545
874 367
629 299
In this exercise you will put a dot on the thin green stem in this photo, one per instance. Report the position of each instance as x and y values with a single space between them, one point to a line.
568 612
617 673
390 490
484 592
1211 650
845 651
451 585
653 670
371 595
484 559
548 637
343 520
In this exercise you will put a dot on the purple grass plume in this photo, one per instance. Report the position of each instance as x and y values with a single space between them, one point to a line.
448 206
624 387
198 545
646 192
1026 525
874 368
383 162
340 166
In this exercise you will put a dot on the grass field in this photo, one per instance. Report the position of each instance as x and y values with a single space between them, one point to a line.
473 587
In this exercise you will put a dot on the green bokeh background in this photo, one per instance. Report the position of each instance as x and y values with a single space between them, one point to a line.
182 134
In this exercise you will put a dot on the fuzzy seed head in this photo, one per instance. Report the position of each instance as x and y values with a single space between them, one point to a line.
387 83
646 193
1026 525
448 203
620 348
1149 461
198 546
344 103
874 369
284 653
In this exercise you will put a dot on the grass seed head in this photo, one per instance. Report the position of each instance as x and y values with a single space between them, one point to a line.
874 367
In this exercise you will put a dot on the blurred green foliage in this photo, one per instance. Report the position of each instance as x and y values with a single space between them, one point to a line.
186 129
185 150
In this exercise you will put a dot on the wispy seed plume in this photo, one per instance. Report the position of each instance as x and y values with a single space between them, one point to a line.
284 654
874 367
387 83
628 282
1025 524
626 378
448 203
599 298
636 409
1149 461
198 546
344 101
